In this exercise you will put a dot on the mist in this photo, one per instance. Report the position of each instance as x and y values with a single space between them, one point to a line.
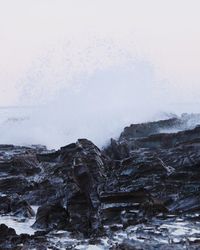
96 106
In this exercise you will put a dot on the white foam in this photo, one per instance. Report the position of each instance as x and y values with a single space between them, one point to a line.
21 226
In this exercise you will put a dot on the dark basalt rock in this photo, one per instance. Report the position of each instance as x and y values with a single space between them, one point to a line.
52 216
134 245
167 165
152 170
10 240
5 205
48 156
146 129
13 184
117 151
8 237
74 178
6 231
26 165
16 206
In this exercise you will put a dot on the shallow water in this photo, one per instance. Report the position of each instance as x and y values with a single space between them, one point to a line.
21 226
158 231
33 125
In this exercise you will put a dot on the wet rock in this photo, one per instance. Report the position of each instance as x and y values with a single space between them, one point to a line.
21 208
165 164
52 216
87 176
8 237
189 204
6 231
10 240
13 184
135 245
117 150
16 206
26 164
42 192
5 205
152 171
48 156
150 128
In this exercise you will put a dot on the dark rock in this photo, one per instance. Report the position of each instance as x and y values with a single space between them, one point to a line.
26 164
48 156
87 175
5 205
135 245
20 207
15 205
152 171
14 184
52 216
117 150
6 231
150 128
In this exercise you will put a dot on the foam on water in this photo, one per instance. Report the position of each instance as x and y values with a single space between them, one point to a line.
21 226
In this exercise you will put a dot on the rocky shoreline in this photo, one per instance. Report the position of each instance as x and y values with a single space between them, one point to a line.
140 192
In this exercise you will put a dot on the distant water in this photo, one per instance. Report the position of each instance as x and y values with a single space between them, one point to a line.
12 113
61 124
58 125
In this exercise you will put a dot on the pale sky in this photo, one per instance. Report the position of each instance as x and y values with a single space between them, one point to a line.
45 44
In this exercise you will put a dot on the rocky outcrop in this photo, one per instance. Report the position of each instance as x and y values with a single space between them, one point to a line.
77 173
152 171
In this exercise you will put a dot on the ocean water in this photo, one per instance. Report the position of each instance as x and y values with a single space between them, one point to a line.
56 125
21 226
159 231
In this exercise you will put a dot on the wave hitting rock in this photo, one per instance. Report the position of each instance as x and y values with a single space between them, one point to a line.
149 177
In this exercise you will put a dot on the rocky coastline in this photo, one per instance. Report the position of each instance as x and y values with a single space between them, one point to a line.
139 192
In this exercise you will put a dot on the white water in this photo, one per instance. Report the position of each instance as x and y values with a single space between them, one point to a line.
96 110
21 226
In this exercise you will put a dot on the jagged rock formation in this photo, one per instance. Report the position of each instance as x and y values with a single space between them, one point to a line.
152 170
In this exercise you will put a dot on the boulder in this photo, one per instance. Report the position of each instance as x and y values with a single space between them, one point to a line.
52 216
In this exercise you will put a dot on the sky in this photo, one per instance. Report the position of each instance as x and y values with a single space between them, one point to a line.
49 46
